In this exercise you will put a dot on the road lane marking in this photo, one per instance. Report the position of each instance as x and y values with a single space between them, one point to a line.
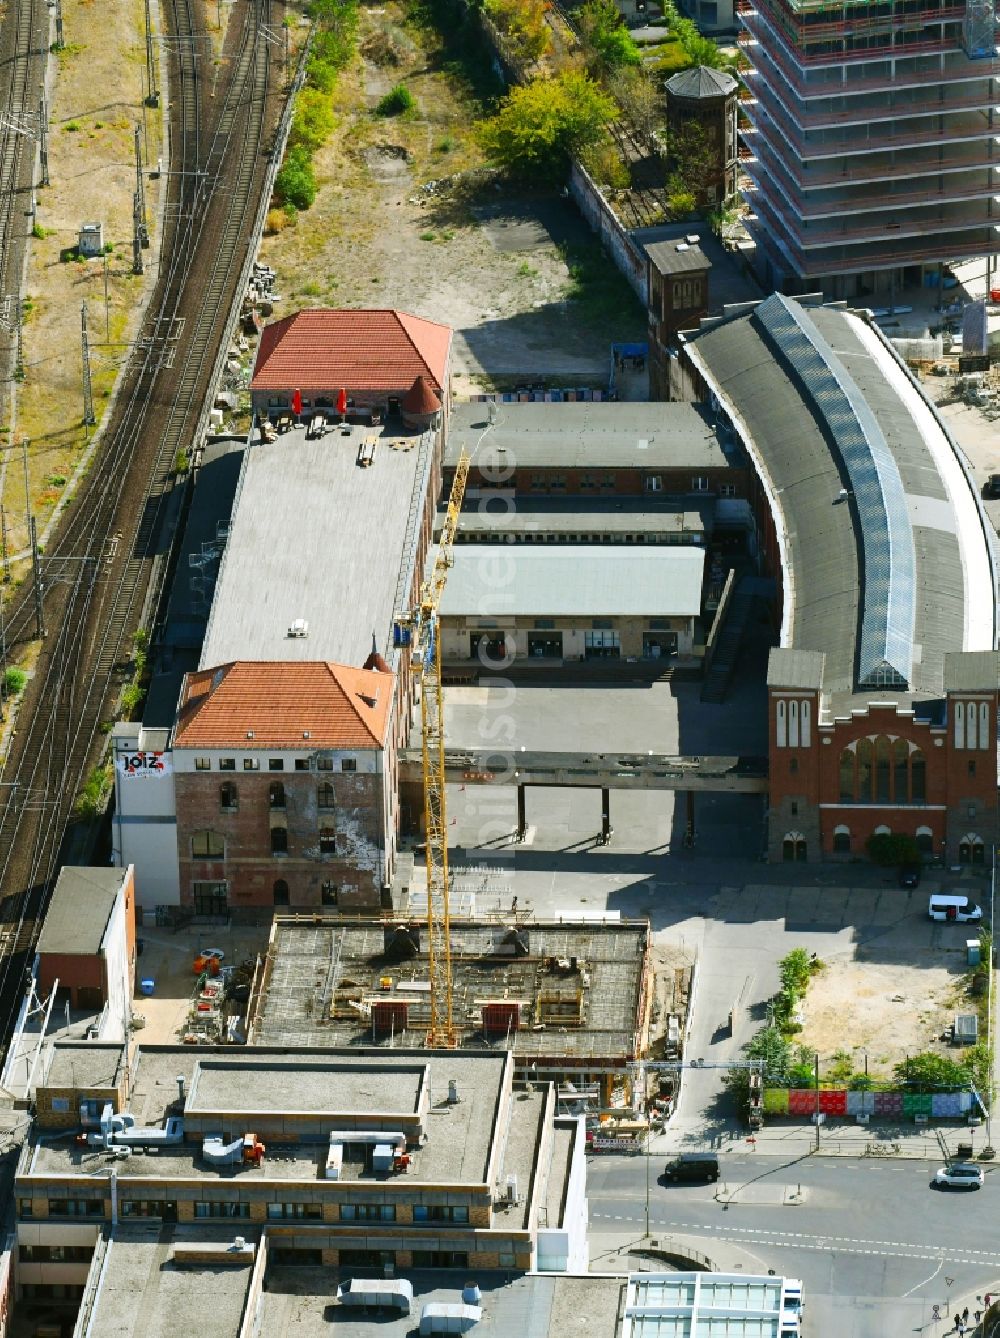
823 1244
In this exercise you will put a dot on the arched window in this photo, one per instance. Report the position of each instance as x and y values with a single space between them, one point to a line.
882 831
984 725
781 727
280 892
925 841
229 797
805 720
882 769
900 772
971 722
324 796
841 840
208 845
960 724
847 781
918 777
971 849
793 848
865 771
279 841
276 794
793 724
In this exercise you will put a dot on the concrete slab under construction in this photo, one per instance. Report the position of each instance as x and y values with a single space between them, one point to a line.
565 998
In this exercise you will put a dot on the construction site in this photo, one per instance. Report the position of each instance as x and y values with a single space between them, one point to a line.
573 1002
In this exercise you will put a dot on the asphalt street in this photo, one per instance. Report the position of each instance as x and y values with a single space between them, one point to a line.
875 1246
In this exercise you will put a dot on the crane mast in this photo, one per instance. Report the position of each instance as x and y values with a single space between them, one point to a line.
427 661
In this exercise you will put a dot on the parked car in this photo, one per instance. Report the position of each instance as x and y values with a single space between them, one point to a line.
960 1175
909 875
991 488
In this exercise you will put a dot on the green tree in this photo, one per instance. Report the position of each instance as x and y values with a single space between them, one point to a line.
694 161
295 184
336 29
541 124
313 119
929 1072
607 42
639 98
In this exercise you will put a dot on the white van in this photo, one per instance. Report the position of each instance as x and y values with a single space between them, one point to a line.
949 906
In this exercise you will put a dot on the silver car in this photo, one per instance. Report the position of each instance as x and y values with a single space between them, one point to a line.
963 1175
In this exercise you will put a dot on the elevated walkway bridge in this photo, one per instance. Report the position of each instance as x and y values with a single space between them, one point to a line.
591 770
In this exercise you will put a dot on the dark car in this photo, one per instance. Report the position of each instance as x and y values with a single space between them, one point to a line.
991 488
909 875
692 1166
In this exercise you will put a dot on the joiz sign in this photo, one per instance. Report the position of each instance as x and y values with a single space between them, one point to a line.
143 765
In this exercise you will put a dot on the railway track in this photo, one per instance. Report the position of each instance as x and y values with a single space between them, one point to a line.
107 547
23 50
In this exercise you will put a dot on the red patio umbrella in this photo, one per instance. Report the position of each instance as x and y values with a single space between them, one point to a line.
342 403
297 402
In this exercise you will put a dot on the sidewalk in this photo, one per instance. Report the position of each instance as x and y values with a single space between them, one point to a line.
925 1143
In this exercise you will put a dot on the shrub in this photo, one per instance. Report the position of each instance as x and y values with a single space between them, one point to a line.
13 681
277 220
396 101
605 164
681 203
296 183
90 801
889 848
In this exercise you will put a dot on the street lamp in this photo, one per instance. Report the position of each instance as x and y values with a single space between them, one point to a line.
989 1005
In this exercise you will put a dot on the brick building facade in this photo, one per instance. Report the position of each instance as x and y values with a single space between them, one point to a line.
285 786
927 770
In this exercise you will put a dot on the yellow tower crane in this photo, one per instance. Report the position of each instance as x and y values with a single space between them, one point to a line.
426 661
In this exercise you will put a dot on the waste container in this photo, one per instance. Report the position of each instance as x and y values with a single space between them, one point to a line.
148 985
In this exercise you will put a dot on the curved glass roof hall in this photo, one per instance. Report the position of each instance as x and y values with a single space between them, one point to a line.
888 596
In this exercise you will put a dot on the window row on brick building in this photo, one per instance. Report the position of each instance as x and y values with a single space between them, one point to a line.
277 796
883 771
253 763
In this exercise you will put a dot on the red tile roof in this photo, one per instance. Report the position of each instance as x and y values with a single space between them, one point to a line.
323 350
288 704
420 398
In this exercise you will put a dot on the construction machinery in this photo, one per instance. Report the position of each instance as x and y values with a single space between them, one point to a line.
420 631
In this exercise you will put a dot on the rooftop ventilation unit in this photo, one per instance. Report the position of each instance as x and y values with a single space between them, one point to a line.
300 627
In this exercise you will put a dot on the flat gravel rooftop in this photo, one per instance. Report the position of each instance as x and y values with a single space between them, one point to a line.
324 1087
145 1294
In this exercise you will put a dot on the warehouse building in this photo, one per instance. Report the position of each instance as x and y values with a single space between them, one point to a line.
588 452
274 782
885 681
571 602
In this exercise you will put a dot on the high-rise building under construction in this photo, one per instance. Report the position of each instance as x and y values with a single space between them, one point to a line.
872 140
